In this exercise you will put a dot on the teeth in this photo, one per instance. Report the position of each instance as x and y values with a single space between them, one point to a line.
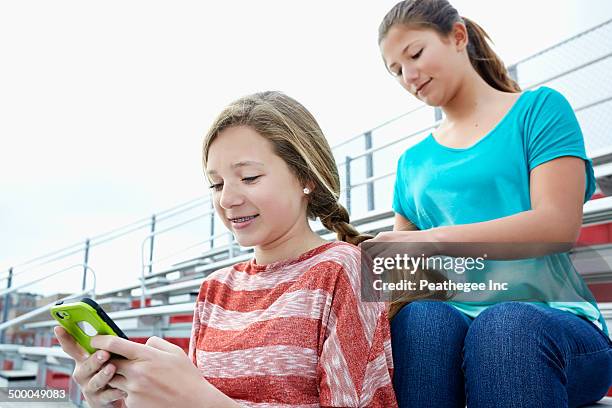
243 219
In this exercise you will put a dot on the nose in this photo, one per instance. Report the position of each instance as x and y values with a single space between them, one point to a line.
230 196
409 76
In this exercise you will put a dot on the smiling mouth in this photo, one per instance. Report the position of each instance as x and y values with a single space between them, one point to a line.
422 86
242 219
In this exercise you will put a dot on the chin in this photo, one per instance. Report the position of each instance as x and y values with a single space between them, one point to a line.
252 238
430 103
434 103
245 242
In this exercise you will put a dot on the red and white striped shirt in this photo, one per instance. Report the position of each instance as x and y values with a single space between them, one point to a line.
294 333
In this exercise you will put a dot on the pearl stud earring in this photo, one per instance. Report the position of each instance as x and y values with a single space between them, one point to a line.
306 190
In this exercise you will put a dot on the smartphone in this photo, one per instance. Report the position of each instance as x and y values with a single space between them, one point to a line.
84 319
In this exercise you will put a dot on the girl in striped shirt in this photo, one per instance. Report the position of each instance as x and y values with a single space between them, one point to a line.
288 327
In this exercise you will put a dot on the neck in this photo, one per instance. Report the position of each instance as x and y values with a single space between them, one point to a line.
292 244
472 95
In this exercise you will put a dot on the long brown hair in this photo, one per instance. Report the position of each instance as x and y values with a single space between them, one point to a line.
441 16
296 138
399 299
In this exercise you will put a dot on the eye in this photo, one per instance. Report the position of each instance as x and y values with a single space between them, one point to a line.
250 179
418 54
216 187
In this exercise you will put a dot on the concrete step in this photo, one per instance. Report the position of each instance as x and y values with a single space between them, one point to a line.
606 402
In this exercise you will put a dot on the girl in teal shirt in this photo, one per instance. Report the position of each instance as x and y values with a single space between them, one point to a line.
504 166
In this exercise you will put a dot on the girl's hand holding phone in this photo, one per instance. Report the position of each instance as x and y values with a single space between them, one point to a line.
92 373
113 371
158 374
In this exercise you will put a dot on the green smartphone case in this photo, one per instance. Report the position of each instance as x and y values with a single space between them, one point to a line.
70 314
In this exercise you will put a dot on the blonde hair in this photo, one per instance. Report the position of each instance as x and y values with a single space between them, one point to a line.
441 16
296 138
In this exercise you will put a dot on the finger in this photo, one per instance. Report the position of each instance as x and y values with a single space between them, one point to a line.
122 366
69 345
90 367
110 395
118 381
163 345
118 345
101 378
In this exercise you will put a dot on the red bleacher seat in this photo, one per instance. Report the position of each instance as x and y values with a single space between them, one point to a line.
57 380
187 318
595 234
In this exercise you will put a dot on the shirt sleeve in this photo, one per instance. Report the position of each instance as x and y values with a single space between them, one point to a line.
553 131
355 365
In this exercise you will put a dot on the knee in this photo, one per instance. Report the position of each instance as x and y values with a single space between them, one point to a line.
507 326
428 321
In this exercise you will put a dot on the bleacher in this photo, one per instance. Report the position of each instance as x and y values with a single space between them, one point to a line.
161 301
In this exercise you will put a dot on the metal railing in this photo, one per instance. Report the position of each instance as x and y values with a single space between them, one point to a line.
26 316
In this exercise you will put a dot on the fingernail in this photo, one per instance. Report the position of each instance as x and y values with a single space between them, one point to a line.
107 369
100 356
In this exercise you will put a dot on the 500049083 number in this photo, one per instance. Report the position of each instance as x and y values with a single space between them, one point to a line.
35 394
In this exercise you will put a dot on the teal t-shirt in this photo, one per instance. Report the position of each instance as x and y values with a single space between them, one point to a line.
438 186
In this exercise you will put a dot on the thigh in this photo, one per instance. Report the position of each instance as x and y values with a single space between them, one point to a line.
427 340
533 355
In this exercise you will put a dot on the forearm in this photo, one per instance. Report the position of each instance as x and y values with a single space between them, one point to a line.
222 401
541 231
216 399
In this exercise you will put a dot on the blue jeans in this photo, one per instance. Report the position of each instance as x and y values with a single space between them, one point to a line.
512 355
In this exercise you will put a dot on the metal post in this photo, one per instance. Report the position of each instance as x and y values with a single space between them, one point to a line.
74 393
437 114
347 180
231 245
369 169
151 244
6 303
212 224
513 72
85 264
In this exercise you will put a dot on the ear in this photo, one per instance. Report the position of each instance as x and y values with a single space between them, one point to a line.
310 185
459 36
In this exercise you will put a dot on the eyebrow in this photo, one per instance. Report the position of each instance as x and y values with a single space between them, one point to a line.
403 52
239 164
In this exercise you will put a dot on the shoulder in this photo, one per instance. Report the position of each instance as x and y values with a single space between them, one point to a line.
341 253
547 98
546 108
343 262
340 259
347 297
545 92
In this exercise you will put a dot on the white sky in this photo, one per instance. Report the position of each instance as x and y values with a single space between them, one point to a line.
103 105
